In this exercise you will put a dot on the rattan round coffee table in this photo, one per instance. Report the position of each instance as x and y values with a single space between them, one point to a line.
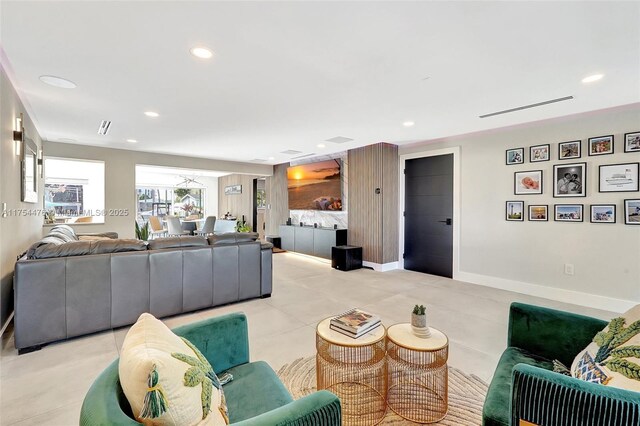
355 370
417 374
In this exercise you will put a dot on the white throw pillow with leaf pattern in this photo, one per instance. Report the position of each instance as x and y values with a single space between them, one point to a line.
166 379
613 358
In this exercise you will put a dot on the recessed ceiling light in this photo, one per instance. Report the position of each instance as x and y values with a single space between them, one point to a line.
132 141
321 145
52 80
592 78
272 158
408 123
151 114
201 52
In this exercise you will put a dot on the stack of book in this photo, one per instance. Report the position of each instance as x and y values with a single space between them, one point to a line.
354 323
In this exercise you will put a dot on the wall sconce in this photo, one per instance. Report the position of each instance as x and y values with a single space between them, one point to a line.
18 134
41 162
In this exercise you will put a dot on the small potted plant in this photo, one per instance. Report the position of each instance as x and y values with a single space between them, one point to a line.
419 321
142 232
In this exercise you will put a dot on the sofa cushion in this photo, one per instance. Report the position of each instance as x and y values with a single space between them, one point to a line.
117 246
48 240
166 379
97 236
92 238
255 389
82 248
65 230
232 238
613 357
496 406
177 242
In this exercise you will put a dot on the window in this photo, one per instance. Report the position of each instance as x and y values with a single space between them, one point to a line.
158 201
74 190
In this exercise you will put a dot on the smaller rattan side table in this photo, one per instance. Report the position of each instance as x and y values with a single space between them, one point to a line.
417 374
355 370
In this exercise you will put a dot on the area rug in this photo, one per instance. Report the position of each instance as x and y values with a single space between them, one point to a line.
466 393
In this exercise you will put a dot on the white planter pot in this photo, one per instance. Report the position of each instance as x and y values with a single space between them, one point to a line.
419 326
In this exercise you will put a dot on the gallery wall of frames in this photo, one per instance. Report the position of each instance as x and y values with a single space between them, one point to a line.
568 180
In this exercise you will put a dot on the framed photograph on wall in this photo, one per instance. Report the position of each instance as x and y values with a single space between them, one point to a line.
233 190
515 156
570 180
529 182
515 210
601 145
539 153
632 212
632 142
569 150
568 212
539 213
619 177
603 213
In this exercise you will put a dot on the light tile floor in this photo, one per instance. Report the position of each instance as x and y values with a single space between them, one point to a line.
48 386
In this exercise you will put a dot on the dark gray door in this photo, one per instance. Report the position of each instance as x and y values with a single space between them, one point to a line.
428 227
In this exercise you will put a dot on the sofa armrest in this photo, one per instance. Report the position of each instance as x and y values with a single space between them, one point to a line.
104 402
321 408
550 333
223 340
543 397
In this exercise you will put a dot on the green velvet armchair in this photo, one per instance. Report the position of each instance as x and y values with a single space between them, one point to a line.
525 390
255 397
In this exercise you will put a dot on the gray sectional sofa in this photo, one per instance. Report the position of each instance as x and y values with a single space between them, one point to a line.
71 288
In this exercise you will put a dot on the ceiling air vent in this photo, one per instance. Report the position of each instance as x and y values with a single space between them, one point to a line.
104 127
520 108
339 139
303 156
291 152
259 160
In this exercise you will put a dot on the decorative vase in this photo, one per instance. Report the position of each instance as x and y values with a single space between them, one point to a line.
419 326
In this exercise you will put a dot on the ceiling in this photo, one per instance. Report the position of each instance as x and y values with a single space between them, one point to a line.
290 75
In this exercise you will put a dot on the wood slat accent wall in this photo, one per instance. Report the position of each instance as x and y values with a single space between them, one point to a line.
240 204
373 218
390 219
277 198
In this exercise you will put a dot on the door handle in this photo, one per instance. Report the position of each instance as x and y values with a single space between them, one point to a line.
448 221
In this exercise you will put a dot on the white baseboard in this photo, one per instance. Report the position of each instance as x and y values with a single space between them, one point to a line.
6 324
559 294
381 267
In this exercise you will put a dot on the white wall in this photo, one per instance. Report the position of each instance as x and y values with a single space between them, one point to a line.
529 257
17 232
